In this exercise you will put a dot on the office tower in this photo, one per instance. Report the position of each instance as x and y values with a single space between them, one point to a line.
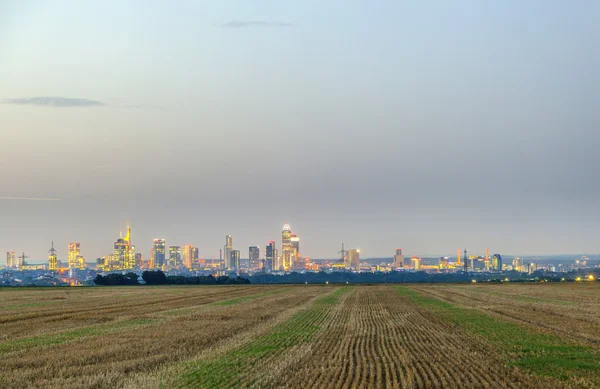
227 250
139 260
159 253
487 260
234 259
52 259
354 259
270 261
194 253
398 259
151 264
72 255
101 263
297 262
416 261
174 256
517 264
286 247
188 255
458 257
254 257
497 262
124 253
443 262
11 259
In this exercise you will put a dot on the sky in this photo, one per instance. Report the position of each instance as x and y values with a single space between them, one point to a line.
426 125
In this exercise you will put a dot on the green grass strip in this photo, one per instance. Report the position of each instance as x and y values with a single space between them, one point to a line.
243 299
66 336
224 371
540 354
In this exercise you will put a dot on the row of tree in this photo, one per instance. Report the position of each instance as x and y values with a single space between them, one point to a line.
160 278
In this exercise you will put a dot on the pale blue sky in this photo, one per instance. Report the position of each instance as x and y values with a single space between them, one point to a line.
428 125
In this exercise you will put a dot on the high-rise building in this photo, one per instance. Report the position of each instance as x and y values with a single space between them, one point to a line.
443 262
276 260
497 262
269 257
159 253
72 255
194 253
124 253
254 257
10 259
139 260
398 259
354 259
188 255
52 259
234 260
287 258
175 256
227 250
518 264
416 262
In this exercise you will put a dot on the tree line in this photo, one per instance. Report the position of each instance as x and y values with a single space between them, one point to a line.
160 278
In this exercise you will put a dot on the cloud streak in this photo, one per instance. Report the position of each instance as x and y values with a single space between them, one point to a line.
54 101
254 23
31 198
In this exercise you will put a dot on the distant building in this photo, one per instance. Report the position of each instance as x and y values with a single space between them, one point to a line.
11 259
398 259
124 253
287 258
139 260
254 257
270 251
227 250
443 262
497 262
175 256
52 259
159 254
74 257
188 255
416 261
354 259
517 264
234 259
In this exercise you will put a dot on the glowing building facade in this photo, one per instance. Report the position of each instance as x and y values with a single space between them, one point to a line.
52 259
174 256
254 256
10 259
398 259
354 259
270 251
497 262
124 253
287 258
227 250
74 258
234 260
188 255
158 251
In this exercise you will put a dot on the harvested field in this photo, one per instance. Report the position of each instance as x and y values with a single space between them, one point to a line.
387 336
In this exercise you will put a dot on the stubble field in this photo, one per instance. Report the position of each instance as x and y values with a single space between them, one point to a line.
384 336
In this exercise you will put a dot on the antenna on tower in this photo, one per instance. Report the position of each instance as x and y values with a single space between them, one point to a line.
343 253
52 251
465 259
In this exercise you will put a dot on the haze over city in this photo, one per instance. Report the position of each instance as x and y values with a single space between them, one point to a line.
423 126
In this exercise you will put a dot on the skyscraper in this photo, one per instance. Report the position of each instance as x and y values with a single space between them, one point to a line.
269 257
52 259
139 260
286 248
10 259
497 262
227 250
188 255
124 253
159 253
354 259
254 256
174 256
398 259
72 255
234 260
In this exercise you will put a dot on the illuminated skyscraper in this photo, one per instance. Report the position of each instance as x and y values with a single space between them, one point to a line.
73 255
234 260
497 262
52 259
159 253
188 255
175 256
269 257
194 253
354 259
443 262
254 256
227 251
287 258
124 253
398 259
11 259
139 260
416 262
276 260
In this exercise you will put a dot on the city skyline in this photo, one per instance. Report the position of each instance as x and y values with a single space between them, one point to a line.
379 125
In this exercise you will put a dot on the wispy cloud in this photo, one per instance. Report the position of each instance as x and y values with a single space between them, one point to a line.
54 101
254 23
31 198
